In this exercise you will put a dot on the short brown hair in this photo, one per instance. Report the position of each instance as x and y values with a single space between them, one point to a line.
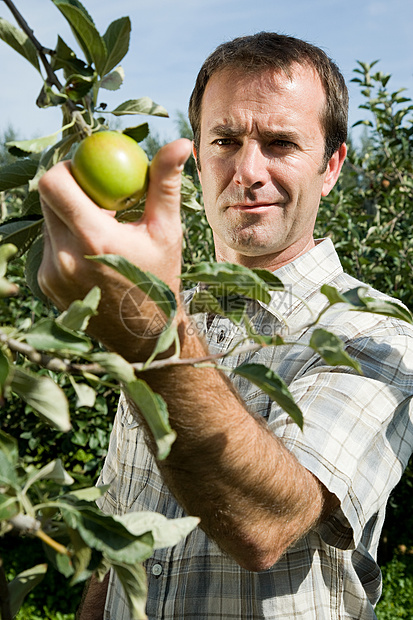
269 50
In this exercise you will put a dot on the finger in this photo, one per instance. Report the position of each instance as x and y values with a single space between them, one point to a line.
66 200
163 199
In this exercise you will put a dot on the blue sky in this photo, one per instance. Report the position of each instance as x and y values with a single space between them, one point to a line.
171 38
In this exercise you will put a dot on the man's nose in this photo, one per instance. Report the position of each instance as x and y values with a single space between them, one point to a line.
251 166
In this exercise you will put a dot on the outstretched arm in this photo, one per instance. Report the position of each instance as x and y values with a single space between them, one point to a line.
76 227
226 467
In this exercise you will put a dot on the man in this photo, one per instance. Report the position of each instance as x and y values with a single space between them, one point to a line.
290 520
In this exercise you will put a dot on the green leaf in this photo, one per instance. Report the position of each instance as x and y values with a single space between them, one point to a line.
7 288
352 296
21 231
80 7
9 507
19 41
48 335
333 295
52 156
8 461
23 584
115 365
272 281
7 251
8 475
133 580
4 372
154 409
85 394
52 471
31 205
165 532
9 446
77 316
165 340
364 303
116 39
151 405
144 105
35 145
85 32
231 306
17 174
81 558
65 58
150 284
331 348
104 533
78 86
276 388
364 122
189 195
33 260
47 98
387 308
355 297
90 494
205 301
44 396
226 279
113 80
138 133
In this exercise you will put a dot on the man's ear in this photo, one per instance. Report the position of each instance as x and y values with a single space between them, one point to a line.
195 154
333 169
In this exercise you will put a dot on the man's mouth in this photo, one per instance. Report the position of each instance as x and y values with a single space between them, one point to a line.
256 206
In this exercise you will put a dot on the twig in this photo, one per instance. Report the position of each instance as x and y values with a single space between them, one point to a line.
52 543
52 78
30 525
41 50
54 364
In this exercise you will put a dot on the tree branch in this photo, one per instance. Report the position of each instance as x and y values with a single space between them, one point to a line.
41 50
52 78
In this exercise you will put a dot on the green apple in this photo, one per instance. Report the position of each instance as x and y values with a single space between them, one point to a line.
112 169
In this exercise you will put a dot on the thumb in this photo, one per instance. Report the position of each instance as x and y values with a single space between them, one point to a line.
163 198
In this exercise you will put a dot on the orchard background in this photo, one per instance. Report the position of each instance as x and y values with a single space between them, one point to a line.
369 216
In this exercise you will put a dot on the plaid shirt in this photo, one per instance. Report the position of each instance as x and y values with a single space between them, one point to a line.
357 439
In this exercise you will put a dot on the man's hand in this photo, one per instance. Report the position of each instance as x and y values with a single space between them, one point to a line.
76 227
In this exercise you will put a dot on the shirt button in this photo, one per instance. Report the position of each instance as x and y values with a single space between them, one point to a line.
156 570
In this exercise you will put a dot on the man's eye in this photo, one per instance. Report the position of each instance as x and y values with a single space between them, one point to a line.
284 144
223 141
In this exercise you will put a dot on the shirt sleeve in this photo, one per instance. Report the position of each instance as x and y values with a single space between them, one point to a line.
357 438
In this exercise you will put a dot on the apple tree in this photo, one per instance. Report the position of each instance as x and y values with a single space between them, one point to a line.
46 357
369 216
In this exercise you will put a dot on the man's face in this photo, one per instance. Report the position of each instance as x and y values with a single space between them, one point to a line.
260 157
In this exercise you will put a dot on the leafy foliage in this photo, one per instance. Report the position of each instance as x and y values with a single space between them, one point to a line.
397 597
47 477
369 216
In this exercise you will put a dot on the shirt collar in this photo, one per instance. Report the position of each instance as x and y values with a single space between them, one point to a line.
303 276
